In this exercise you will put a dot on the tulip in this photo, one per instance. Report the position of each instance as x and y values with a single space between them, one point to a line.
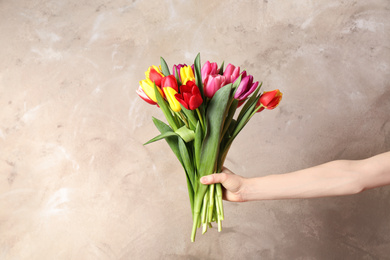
176 68
231 73
169 81
170 96
145 97
269 99
186 74
154 74
246 87
212 83
148 87
189 96
209 69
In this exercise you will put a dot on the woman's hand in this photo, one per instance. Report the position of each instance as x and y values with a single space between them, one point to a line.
233 184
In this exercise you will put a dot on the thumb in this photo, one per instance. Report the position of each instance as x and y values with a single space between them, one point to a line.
213 178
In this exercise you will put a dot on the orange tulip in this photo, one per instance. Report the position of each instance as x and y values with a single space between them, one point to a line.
269 99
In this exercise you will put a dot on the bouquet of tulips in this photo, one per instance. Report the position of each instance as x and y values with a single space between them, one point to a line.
200 104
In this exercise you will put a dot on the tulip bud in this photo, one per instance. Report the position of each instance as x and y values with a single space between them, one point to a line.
148 87
212 84
145 97
189 96
269 99
169 81
246 87
170 96
231 73
209 69
154 74
176 69
186 74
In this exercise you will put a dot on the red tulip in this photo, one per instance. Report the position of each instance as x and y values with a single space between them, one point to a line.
189 96
269 99
169 81
154 74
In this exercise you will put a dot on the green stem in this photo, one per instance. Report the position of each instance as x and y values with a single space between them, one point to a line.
255 111
195 220
204 207
211 202
200 118
219 201
182 118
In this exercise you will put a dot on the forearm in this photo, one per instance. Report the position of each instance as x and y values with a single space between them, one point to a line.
330 179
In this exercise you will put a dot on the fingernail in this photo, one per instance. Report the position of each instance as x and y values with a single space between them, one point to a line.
203 180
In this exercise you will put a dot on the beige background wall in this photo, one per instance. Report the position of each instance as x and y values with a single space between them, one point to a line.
76 181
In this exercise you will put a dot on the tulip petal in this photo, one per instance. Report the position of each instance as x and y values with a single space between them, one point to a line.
195 102
173 102
143 95
180 99
250 91
241 88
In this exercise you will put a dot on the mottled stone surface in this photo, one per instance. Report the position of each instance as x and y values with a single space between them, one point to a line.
76 181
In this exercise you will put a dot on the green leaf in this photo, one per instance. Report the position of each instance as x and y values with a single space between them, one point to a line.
187 162
191 194
190 115
164 67
171 140
198 144
237 83
161 136
221 68
249 102
198 75
216 114
230 114
186 134
178 79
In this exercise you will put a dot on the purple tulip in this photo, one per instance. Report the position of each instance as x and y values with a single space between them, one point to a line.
246 87
231 73
212 83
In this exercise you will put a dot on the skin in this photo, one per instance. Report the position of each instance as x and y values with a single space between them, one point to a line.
335 178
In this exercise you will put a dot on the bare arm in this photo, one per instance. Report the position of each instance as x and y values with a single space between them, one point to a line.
335 178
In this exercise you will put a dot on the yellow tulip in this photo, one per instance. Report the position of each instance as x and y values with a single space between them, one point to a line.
186 74
170 96
148 87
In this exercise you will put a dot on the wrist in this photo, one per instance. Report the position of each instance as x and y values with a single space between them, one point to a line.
244 190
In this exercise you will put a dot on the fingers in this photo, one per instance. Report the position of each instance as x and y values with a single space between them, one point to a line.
213 178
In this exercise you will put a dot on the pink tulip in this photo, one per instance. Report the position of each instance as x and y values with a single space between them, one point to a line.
209 69
231 73
212 83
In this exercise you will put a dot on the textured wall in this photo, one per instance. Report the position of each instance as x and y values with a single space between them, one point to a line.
76 181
